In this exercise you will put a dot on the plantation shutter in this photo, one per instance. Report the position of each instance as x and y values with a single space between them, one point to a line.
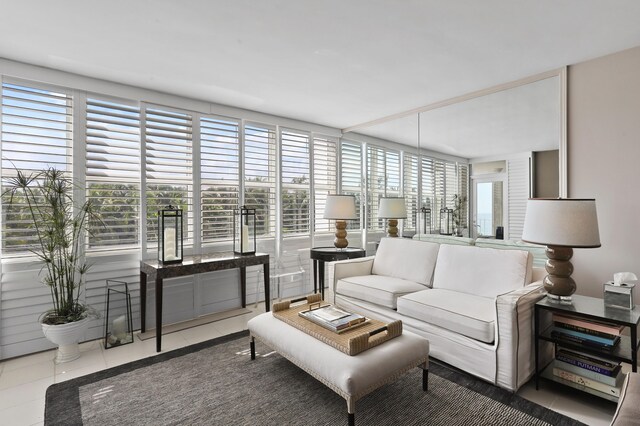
36 134
351 176
440 190
428 189
463 190
377 184
220 177
295 183
168 141
113 172
260 176
410 176
451 183
324 178
519 191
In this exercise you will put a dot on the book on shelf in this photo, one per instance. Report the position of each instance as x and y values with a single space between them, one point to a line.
588 362
584 381
590 325
333 319
584 339
588 331
615 380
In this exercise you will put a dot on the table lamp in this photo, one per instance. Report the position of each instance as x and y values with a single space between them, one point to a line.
561 224
392 208
340 208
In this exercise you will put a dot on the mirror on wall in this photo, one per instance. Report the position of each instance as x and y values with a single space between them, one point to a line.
512 137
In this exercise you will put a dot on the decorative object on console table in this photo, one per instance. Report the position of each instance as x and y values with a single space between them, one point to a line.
244 225
170 235
619 292
423 221
446 221
340 208
561 224
392 208
120 331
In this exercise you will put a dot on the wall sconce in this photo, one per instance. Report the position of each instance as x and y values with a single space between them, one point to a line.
170 235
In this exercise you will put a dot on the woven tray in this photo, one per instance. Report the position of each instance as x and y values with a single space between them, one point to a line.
351 342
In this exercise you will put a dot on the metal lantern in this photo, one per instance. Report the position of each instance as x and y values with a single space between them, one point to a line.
244 234
170 235
118 331
423 221
446 221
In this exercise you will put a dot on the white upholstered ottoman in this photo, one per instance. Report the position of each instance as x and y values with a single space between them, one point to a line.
351 377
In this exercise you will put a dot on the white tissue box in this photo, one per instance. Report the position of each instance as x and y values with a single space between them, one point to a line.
618 296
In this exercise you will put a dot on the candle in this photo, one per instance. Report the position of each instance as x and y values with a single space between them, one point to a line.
245 238
119 329
169 244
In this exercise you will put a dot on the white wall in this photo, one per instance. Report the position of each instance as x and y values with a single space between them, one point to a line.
604 162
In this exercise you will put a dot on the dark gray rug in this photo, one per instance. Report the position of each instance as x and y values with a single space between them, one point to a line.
216 383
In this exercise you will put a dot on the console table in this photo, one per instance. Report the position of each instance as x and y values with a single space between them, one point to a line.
319 255
196 265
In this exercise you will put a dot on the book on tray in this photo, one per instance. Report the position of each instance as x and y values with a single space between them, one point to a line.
333 318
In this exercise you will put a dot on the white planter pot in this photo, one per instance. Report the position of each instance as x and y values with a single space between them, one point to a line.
66 336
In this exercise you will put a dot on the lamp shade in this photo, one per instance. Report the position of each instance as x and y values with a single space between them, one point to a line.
392 208
561 222
340 207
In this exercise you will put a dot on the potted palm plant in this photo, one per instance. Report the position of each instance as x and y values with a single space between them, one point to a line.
59 227
459 202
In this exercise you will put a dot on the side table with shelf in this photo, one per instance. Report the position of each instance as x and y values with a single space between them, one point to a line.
585 308
320 255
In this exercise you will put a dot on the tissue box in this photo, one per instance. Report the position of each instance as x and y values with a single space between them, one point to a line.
618 296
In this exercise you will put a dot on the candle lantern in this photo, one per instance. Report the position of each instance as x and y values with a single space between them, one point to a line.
423 221
170 235
118 324
446 221
244 235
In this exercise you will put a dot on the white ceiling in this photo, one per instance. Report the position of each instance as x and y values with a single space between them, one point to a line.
332 62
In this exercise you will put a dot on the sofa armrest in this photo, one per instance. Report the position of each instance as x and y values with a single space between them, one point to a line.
347 268
514 335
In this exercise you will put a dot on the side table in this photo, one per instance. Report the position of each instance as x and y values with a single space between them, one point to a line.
319 255
586 308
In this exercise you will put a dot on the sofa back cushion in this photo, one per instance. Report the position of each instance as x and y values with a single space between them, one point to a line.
406 259
480 271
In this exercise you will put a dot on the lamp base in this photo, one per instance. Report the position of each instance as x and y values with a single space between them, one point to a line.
340 242
559 284
392 229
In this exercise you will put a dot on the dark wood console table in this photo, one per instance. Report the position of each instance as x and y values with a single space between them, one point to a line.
196 265
320 255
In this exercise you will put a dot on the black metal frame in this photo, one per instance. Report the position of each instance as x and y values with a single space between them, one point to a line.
423 218
128 313
243 213
448 221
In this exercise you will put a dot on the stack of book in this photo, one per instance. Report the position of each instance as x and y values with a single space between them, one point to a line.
588 370
592 334
333 319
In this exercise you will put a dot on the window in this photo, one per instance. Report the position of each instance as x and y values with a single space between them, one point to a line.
351 176
324 178
260 176
220 177
428 188
296 184
383 173
410 165
168 159
113 172
36 134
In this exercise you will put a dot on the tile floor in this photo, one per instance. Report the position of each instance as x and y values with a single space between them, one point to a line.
24 380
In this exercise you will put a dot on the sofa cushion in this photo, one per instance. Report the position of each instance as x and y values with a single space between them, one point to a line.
466 314
538 251
406 259
481 271
377 289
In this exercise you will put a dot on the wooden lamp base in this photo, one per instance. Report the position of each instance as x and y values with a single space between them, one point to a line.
392 229
340 241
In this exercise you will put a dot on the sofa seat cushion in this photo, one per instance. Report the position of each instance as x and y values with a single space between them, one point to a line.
406 259
480 271
377 289
466 314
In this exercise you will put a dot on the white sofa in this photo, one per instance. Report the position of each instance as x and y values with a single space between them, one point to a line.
474 305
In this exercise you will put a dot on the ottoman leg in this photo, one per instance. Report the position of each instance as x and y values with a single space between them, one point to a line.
352 419
425 379
252 344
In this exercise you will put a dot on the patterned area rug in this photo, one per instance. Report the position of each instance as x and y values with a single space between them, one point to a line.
216 383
